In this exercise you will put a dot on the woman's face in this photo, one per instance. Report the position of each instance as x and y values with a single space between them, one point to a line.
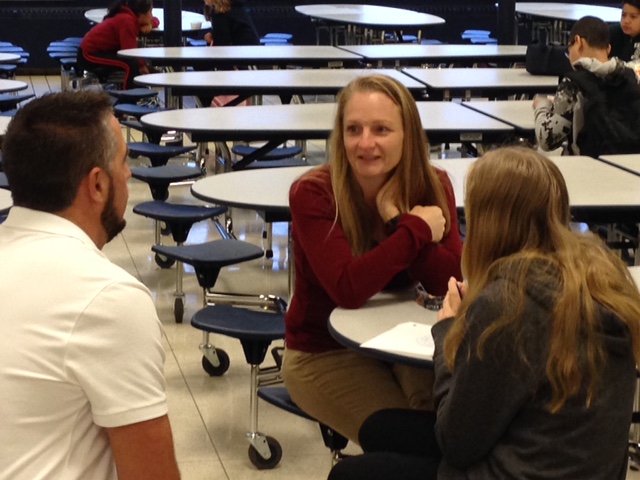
373 136
630 21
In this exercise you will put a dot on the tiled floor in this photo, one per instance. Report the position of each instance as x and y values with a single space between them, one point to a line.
210 415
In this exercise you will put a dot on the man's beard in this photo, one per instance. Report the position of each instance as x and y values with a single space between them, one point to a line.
111 223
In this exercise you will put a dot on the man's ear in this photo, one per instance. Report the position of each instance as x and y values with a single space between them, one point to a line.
97 185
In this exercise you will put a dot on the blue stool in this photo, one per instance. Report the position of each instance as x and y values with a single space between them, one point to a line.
10 102
132 110
255 330
179 219
279 397
207 259
158 154
275 154
159 178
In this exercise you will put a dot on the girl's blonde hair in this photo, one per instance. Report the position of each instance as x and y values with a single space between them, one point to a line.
517 211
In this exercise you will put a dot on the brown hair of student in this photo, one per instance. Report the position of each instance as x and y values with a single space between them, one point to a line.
517 210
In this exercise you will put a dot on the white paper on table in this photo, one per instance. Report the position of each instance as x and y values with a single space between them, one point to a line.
410 337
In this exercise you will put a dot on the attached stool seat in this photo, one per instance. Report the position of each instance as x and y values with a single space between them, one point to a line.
132 110
158 154
179 220
10 102
255 330
159 178
207 259
279 397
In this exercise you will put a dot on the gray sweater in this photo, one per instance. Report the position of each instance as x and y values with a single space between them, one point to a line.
492 419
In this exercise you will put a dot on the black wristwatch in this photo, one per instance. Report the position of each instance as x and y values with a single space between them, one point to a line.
392 224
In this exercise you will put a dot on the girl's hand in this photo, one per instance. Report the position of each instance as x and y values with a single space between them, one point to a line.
208 37
453 299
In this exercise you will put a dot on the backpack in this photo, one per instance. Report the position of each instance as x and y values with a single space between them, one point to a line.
611 112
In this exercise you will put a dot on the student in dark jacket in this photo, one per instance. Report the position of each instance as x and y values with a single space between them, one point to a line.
124 21
230 24
535 364
625 36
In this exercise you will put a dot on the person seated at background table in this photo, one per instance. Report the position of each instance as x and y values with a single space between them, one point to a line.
119 30
81 366
565 116
230 23
377 215
535 368
625 36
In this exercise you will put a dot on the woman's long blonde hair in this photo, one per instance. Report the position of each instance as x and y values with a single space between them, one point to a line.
517 210
418 183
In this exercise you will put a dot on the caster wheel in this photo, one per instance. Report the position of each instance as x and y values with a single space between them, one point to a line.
220 370
268 254
266 463
165 229
164 262
178 309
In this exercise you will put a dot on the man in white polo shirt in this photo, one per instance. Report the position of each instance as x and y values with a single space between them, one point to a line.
82 391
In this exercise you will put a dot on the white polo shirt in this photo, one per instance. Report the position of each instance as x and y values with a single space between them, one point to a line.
80 349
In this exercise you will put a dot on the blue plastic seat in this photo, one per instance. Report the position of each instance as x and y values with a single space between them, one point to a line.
159 178
158 154
10 101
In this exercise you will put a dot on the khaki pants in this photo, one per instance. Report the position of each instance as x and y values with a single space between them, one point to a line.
342 388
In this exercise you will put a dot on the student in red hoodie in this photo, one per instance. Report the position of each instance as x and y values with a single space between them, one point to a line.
122 24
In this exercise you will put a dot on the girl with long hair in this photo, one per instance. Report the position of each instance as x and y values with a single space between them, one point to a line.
377 215
535 365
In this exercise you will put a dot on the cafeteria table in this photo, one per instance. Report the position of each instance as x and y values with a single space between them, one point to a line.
517 113
260 55
464 55
11 85
247 83
444 122
444 83
360 20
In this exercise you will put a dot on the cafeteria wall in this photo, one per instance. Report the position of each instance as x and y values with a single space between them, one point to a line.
33 24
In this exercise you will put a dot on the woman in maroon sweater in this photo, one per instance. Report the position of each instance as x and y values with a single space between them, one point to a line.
119 30
378 215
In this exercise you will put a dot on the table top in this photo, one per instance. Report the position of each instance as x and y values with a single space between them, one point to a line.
568 11
518 113
630 163
596 189
5 200
369 15
483 78
96 15
9 57
11 85
259 189
439 53
251 54
443 121
384 311
265 82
